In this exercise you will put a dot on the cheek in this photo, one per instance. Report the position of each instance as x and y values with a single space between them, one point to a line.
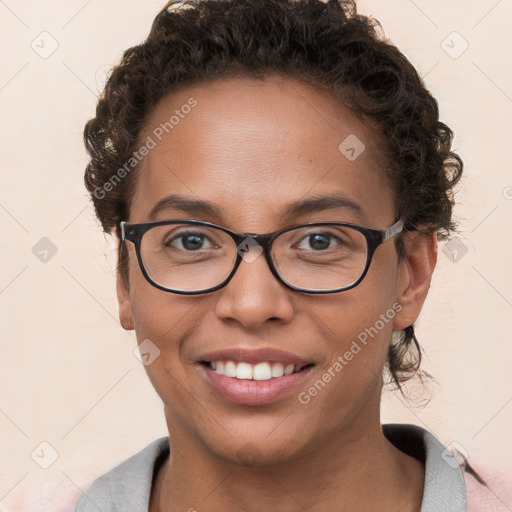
163 325
162 322
356 329
358 339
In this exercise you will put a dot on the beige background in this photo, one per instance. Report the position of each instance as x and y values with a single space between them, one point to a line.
68 376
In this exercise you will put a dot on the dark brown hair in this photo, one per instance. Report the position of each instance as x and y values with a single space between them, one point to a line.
326 44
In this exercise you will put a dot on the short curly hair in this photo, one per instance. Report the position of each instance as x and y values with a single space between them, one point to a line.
322 43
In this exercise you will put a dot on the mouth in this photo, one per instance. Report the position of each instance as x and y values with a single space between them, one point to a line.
254 377
265 370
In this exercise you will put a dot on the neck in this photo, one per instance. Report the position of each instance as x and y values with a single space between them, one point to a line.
357 469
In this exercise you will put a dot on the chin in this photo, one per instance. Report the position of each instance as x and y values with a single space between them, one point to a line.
256 450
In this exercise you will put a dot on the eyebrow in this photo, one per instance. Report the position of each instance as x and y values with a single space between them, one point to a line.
193 207
321 203
196 207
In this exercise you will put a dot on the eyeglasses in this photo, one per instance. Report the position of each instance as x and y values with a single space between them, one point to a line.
191 257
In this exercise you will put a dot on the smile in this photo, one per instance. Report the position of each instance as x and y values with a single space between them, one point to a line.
261 371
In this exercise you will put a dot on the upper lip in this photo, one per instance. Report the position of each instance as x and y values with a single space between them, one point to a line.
254 356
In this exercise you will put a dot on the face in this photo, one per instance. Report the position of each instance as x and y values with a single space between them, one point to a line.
251 148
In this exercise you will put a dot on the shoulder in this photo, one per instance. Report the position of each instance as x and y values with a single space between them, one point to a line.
449 475
128 485
444 487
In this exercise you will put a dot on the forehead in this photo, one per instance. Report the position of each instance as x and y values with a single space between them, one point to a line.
252 146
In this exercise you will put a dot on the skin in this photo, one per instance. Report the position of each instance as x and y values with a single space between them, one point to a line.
250 147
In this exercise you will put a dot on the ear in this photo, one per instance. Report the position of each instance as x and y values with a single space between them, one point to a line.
414 276
125 305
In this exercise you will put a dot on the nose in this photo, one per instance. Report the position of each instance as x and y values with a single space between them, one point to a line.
254 295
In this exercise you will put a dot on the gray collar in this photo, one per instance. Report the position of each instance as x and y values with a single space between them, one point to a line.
127 487
444 489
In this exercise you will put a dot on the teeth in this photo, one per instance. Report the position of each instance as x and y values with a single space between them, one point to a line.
230 369
260 371
288 369
242 371
277 370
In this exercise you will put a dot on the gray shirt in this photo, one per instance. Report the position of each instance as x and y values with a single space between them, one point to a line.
127 487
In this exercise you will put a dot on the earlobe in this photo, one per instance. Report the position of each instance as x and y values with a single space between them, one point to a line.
415 274
124 302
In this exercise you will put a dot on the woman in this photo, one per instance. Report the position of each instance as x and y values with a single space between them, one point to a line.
278 178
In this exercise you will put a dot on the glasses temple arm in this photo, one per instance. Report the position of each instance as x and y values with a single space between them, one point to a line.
393 230
123 234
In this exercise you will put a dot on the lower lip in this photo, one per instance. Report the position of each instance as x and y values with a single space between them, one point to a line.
254 392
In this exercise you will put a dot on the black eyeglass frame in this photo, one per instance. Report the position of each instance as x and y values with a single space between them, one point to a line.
374 238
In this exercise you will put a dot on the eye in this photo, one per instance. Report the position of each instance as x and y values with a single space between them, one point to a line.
189 241
318 241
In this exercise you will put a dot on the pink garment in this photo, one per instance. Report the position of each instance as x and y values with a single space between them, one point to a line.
494 496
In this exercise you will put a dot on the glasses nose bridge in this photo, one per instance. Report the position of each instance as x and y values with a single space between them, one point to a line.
265 241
